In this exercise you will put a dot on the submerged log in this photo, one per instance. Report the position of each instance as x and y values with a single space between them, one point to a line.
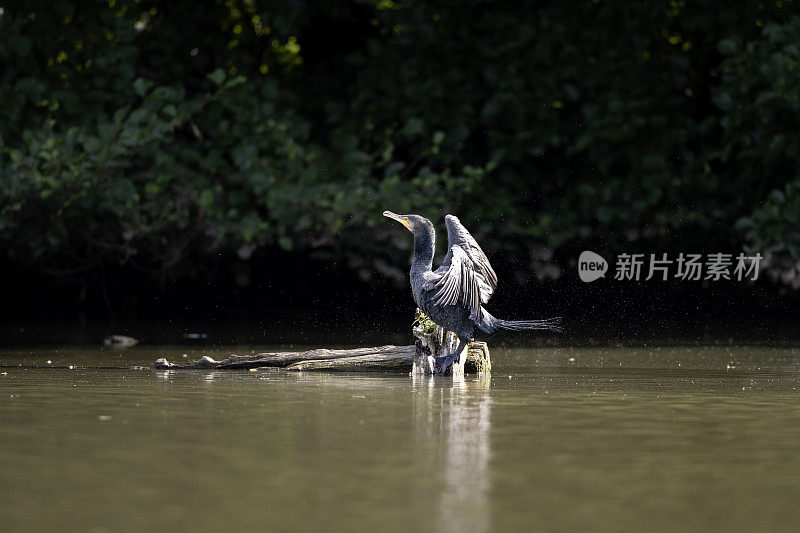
378 359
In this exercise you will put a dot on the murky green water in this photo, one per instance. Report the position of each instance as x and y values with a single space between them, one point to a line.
668 439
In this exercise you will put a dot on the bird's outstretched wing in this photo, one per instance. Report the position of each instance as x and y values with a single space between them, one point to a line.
459 284
457 235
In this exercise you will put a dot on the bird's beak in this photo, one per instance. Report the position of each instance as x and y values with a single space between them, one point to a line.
400 218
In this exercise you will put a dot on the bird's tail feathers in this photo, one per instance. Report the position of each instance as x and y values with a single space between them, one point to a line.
552 324
491 324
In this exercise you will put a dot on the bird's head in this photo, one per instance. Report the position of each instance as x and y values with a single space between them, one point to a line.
413 223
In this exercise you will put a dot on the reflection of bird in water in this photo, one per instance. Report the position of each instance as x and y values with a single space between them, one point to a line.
452 294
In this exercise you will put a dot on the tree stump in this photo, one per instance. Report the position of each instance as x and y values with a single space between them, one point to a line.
435 345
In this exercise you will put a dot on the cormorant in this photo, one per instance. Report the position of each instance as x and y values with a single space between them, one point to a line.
452 294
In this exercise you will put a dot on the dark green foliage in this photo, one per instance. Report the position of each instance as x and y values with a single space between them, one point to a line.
137 132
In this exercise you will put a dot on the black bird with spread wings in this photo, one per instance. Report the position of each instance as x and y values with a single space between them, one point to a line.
453 294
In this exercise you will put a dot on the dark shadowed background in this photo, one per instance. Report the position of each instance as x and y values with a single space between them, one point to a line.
222 168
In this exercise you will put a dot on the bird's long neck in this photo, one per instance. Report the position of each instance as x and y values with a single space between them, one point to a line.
424 241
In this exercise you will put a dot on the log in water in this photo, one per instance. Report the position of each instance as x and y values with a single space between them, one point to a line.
387 358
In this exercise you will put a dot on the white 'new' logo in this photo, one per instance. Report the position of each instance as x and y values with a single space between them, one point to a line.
591 266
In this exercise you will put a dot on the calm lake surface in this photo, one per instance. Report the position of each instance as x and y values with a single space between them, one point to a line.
628 439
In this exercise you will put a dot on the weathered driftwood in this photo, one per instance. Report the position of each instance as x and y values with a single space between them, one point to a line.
427 356
379 359
397 359
288 359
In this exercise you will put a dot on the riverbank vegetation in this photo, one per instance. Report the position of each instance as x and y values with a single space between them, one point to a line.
160 137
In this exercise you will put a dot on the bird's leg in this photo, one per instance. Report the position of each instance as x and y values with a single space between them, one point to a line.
452 355
460 353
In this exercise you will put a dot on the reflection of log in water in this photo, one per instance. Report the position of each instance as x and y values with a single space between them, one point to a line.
455 417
